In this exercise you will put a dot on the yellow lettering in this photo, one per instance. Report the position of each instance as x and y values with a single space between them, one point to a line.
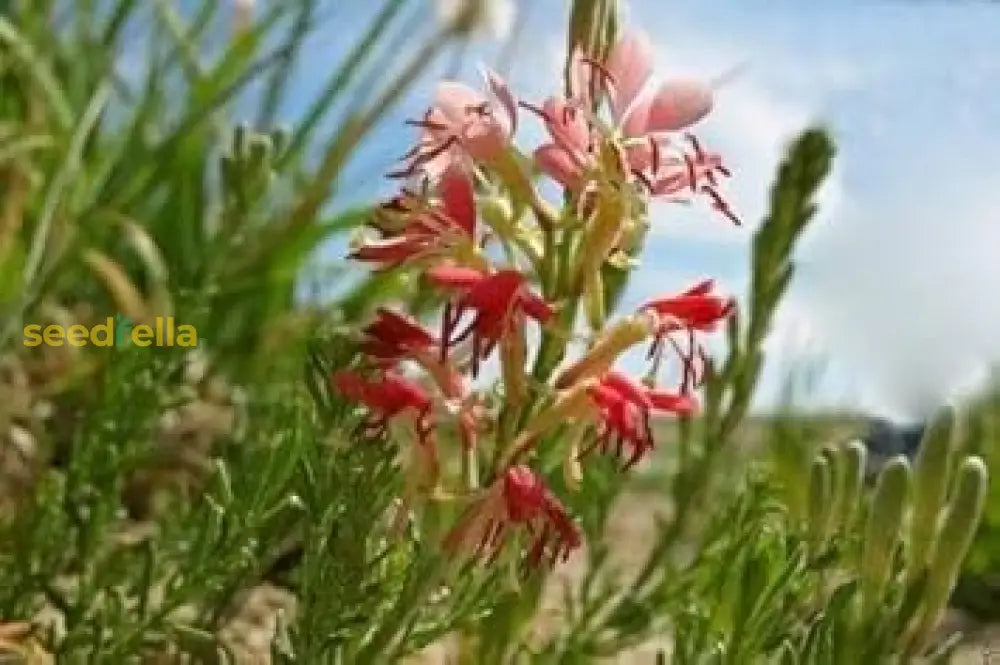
76 335
142 335
105 328
53 335
32 335
187 335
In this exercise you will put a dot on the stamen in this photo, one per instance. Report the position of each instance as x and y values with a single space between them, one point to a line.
536 110
691 173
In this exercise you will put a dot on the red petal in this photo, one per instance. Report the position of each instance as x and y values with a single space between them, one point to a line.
673 402
535 307
459 201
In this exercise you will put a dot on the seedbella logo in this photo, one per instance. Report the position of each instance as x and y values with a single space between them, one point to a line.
116 331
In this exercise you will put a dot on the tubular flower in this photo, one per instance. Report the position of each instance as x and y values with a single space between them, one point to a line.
386 398
518 497
411 230
644 117
392 337
499 303
694 310
463 126
625 409
570 153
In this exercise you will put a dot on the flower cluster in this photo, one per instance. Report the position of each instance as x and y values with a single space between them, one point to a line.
503 260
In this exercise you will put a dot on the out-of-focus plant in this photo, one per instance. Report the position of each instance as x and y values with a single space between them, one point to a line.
979 587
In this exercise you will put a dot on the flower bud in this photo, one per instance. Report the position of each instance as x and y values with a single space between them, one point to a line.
594 301
593 26
881 535
615 341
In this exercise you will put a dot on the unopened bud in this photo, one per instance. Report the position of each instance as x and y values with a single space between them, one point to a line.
242 15
492 18
594 301
572 470
881 535
615 341
593 26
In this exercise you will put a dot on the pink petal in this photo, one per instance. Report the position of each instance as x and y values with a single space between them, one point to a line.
459 202
636 119
559 165
567 125
454 100
630 65
678 104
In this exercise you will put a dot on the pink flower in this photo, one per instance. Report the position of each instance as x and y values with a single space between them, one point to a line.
624 410
412 230
518 497
641 109
463 126
499 303
570 153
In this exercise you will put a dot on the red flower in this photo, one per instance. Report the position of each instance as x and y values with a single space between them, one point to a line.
625 408
386 398
694 310
392 336
518 497
413 230
499 303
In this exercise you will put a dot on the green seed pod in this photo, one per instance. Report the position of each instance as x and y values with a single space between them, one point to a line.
881 534
820 489
854 457
930 488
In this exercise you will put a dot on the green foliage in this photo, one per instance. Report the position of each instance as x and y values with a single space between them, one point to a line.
146 495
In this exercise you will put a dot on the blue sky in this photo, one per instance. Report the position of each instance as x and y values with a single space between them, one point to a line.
896 295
